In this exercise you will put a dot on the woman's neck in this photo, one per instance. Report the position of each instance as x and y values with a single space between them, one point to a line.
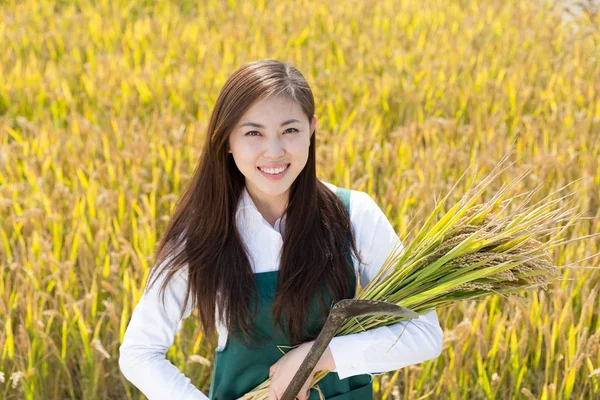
271 208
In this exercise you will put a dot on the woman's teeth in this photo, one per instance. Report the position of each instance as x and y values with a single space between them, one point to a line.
273 171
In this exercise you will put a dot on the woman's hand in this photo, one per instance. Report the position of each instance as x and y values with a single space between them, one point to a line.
285 368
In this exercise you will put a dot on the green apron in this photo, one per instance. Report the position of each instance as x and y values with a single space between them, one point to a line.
237 369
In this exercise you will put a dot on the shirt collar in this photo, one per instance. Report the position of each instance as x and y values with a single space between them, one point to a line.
246 204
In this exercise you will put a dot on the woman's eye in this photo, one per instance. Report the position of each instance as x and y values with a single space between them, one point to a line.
293 130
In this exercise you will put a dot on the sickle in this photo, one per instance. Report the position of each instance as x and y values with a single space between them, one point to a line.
340 312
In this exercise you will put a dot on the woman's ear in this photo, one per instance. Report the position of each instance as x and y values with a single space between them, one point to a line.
313 124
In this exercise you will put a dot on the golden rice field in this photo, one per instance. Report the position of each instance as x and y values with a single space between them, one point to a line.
103 107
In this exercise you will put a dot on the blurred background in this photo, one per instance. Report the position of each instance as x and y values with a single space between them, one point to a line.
103 111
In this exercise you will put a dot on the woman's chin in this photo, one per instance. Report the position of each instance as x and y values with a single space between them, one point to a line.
271 188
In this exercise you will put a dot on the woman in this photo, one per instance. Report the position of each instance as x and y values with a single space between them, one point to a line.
262 249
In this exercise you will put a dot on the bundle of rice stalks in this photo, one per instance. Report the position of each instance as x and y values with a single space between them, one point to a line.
470 251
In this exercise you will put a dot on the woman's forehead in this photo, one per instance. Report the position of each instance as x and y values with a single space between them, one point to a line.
272 111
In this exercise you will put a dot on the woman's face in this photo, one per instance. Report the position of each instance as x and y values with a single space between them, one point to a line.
273 134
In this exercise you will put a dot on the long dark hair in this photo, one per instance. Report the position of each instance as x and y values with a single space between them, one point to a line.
202 232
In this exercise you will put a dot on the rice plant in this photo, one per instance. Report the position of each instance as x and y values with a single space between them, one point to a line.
103 104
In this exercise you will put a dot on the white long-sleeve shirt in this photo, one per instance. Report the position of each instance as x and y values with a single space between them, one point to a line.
152 329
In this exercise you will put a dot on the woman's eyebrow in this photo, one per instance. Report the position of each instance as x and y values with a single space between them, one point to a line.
255 125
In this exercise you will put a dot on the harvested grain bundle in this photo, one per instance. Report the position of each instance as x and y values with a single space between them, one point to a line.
471 251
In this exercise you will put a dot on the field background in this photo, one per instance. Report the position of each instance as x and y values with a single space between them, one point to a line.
103 108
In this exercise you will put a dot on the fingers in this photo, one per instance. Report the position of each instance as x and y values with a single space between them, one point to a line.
304 393
272 395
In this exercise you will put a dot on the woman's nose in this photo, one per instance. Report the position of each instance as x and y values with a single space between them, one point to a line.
274 149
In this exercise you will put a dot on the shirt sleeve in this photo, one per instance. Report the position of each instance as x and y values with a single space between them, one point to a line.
386 348
150 333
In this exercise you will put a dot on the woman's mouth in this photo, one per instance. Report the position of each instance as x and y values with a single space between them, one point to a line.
274 173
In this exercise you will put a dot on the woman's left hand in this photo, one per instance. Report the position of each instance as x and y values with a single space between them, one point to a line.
283 371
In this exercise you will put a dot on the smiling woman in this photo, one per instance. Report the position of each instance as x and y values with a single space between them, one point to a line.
274 155
262 249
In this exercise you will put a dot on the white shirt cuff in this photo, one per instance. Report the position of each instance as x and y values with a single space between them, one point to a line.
348 354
